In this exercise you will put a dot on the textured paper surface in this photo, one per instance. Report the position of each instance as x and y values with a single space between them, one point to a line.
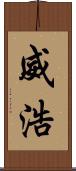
29 92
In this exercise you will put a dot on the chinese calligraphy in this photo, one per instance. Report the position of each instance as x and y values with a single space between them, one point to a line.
41 120
33 68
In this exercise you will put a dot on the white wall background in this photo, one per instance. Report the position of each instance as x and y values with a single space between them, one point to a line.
2 79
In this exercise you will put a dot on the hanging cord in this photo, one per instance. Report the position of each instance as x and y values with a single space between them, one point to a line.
37 16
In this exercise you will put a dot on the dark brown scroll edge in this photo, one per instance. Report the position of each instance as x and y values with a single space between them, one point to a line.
37 17
53 17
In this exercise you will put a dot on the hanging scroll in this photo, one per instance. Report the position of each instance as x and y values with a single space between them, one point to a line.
38 86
